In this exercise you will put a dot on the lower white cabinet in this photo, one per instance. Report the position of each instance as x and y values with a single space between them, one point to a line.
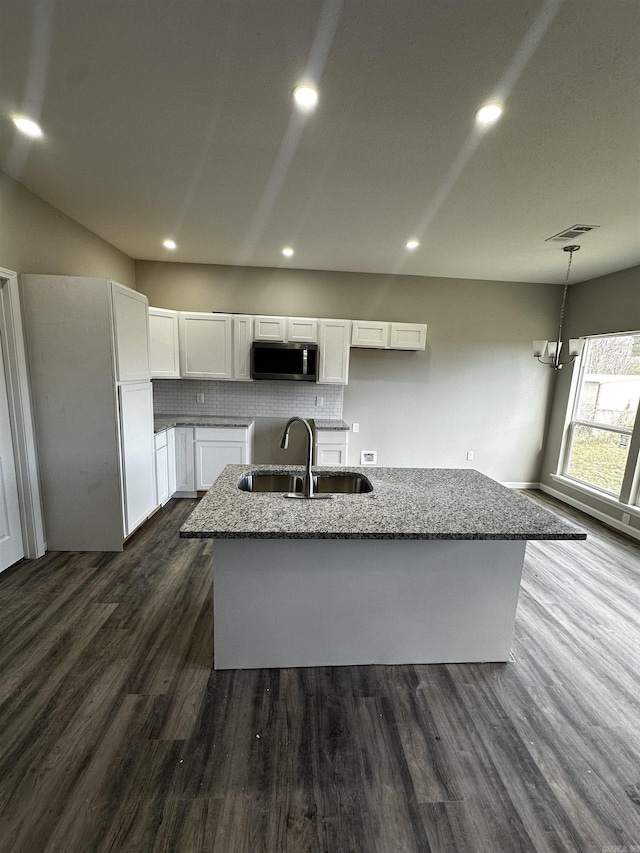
331 447
217 447
162 467
136 431
184 467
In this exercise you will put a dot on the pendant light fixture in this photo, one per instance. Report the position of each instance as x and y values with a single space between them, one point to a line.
551 349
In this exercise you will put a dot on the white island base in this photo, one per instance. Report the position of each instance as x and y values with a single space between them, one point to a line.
336 602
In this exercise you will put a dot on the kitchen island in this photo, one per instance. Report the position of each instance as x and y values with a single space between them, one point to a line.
424 568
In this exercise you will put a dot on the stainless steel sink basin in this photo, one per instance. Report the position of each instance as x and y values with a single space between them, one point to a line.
264 481
292 484
347 484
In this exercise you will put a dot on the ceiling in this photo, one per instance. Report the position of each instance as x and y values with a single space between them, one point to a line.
174 118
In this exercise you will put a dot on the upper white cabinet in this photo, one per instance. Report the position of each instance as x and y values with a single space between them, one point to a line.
411 336
242 337
378 334
334 337
131 333
302 330
164 350
270 329
370 333
206 345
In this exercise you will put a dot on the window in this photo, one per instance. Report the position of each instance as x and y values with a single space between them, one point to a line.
600 439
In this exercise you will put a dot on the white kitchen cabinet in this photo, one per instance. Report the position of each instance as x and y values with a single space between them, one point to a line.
171 460
162 468
216 447
206 350
185 485
137 453
370 333
334 337
164 348
331 447
242 338
94 432
269 328
131 333
408 336
302 330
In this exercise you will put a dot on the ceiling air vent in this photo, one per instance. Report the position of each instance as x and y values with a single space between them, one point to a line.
572 233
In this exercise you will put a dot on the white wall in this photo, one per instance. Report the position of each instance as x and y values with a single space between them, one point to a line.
476 387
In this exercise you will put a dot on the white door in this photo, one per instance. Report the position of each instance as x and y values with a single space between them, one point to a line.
213 456
11 547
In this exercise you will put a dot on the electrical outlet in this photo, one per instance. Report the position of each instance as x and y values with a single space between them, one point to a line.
200 398
355 427
319 402
369 457
469 455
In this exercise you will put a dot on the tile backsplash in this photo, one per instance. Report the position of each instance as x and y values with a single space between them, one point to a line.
266 398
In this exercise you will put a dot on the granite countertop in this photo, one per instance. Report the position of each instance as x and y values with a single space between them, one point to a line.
331 425
162 422
406 503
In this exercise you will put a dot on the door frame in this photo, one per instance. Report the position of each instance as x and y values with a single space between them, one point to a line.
21 416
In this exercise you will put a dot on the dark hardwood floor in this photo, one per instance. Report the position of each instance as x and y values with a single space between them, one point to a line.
117 735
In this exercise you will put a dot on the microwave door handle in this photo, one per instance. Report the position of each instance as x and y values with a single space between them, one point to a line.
305 359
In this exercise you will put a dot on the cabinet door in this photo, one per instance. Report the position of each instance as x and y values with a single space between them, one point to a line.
333 341
411 336
370 333
302 330
269 328
213 456
171 460
185 474
162 475
242 337
164 351
205 346
137 453
131 333
331 454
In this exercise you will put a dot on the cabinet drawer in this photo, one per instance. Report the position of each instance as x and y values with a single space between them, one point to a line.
160 439
332 436
221 433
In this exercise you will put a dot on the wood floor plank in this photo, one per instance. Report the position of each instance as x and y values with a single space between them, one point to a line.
117 736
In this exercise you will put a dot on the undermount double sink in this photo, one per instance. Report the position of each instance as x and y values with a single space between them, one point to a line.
323 483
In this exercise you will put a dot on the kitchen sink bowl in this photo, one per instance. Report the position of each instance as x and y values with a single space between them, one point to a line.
259 481
346 484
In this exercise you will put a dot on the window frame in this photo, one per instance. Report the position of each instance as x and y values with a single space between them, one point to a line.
629 494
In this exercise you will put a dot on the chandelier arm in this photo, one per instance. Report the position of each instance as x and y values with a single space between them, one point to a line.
556 360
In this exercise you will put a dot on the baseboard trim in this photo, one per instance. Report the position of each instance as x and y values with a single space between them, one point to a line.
522 485
633 532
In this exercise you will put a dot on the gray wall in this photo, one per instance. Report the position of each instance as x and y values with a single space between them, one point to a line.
37 238
604 305
476 387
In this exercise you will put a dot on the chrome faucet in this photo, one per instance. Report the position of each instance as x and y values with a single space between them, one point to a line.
307 485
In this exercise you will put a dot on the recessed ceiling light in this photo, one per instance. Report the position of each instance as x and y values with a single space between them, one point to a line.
287 251
412 244
169 244
305 96
489 113
28 127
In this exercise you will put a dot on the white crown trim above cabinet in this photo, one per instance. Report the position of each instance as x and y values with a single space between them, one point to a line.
164 347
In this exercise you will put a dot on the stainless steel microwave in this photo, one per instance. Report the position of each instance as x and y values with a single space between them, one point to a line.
284 361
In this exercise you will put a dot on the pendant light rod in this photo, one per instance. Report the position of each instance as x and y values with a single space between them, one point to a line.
554 348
